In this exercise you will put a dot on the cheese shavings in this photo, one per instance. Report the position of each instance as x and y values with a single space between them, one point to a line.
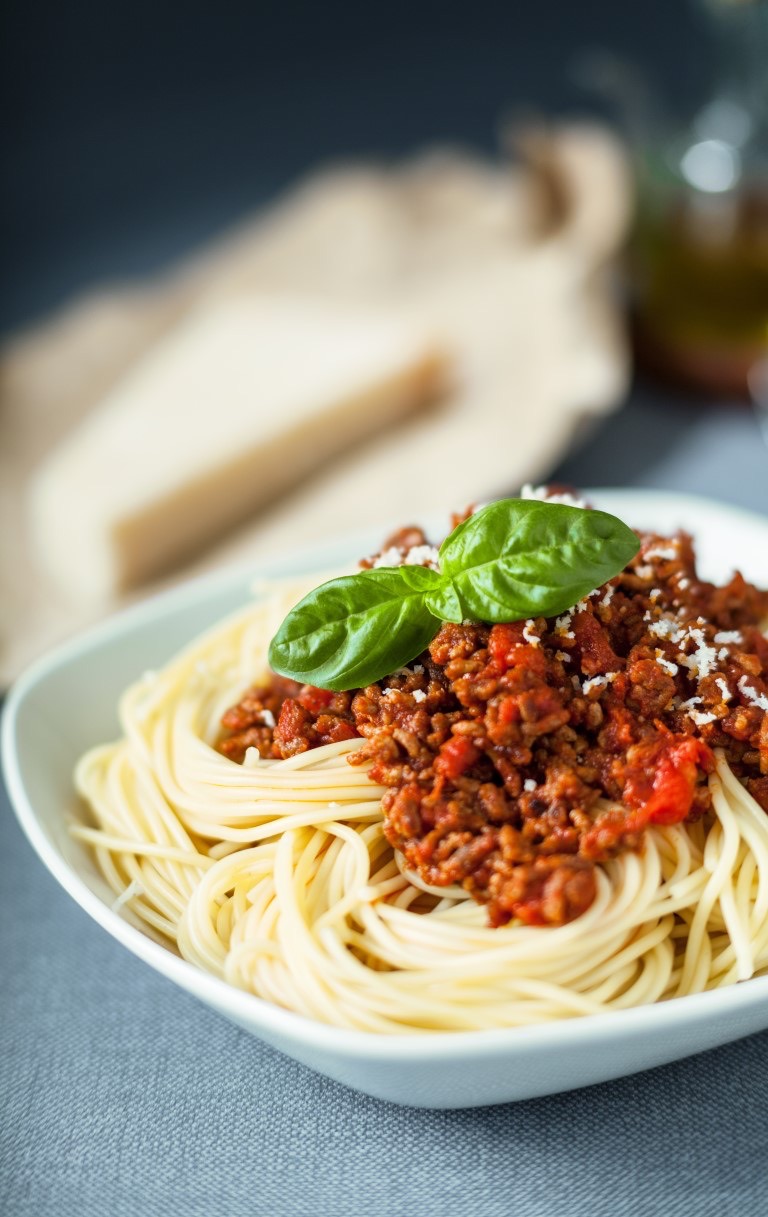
699 717
598 682
723 687
727 636
544 495
758 699
666 664
703 660
563 625
418 555
422 555
528 634
667 628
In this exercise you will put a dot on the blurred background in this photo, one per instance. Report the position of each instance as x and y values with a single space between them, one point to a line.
133 132
550 220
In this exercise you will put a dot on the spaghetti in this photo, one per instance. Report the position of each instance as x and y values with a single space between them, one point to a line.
276 875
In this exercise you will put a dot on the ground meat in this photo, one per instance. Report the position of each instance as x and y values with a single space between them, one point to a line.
251 723
519 757
283 717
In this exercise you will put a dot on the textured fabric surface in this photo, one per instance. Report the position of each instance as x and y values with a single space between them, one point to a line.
122 1095
468 270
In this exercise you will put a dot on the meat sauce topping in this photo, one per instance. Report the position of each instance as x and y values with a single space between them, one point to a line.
519 757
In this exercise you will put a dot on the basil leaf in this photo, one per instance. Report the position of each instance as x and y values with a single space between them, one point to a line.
444 602
522 558
511 560
351 631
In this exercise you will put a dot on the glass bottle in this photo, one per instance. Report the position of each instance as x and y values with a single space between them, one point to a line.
700 256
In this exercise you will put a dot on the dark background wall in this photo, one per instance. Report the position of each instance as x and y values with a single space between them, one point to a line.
131 131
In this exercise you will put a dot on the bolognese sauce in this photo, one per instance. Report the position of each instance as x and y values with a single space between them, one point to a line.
518 757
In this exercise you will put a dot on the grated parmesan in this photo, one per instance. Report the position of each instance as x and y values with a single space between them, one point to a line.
666 627
528 634
723 687
529 784
389 557
757 699
599 682
422 555
729 636
703 660
562 625
665 553
699 717
607 598
417 555
543 494
666 664
419 695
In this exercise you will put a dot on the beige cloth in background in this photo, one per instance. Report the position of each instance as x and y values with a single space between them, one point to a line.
507 263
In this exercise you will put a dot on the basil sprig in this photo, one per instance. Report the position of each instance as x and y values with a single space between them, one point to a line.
514 559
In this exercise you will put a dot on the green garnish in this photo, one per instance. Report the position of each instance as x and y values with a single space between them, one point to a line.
511 560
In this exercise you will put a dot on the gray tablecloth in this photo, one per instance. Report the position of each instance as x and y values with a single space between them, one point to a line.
122 1095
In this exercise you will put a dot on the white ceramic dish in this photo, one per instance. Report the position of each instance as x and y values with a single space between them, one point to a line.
66 702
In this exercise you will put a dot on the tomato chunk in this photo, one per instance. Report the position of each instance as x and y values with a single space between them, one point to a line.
662 777
457 755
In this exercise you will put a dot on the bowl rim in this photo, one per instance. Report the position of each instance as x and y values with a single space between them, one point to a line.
244 1007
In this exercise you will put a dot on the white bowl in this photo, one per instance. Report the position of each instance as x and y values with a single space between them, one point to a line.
66 702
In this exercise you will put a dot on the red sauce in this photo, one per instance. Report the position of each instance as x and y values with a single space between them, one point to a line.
500 745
